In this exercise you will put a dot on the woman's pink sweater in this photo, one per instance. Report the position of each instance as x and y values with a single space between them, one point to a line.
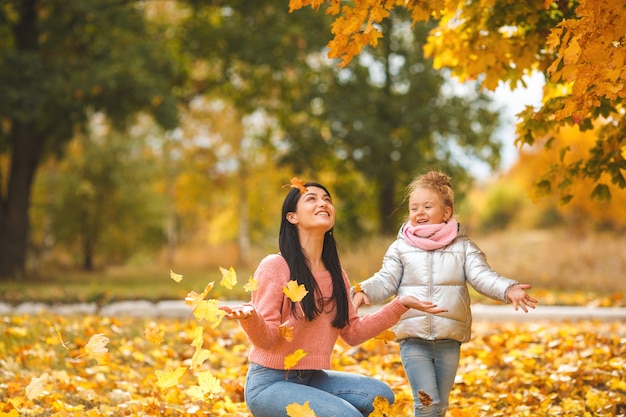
316 338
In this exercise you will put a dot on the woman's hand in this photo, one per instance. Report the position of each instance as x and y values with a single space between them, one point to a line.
426 306
520 298
239 312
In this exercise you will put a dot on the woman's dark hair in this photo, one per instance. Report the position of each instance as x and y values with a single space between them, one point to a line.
299 266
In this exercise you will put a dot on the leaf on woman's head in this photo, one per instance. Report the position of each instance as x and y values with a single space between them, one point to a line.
176 277
96 348
294 291
300 410
296 183
193 298
285 331
293 359
167 379
252 284
36 386
229 278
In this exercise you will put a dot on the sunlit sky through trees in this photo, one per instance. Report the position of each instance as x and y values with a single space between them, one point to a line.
512 102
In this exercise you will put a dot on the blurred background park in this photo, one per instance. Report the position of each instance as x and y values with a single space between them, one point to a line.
139 137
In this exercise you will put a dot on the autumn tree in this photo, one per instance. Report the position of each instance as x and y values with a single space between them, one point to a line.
580 214
98 202
388 116
579 45
246 73
61 62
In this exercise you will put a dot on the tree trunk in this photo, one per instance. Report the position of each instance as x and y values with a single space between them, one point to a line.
14 221
386 207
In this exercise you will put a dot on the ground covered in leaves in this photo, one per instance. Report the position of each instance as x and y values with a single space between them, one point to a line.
97 366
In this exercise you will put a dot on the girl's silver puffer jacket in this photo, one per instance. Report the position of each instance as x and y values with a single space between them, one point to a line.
439 276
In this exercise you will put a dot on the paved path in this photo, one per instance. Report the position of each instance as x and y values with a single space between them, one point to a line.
178 309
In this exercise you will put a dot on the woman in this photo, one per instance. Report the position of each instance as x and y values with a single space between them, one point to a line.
277 327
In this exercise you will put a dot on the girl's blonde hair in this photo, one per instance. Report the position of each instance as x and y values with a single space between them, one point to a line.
437 181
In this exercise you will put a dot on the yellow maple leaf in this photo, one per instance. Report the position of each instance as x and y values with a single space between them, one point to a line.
229 278
252 284
36 386
209 310
96 348
294 291
285 331
207 384
292 359
357 287
300 410
193 298
176 277
168 379
154 334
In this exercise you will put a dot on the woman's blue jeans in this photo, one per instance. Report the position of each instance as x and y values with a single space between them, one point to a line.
430 366
268 392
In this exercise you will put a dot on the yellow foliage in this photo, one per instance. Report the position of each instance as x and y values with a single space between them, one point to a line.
581 51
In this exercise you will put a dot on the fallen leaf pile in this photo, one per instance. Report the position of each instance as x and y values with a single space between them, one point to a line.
58 365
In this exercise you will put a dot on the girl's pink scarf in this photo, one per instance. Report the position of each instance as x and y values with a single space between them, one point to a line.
431 236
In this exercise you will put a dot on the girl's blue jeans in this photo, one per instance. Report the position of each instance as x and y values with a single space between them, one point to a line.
430 366
268 392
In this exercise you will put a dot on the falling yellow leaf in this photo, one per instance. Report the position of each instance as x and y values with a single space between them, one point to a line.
58 332
229 278
200 355
168 379
36 386
386 336
252 285
300 410
285 331
154 334
295 182
209 310
292 359
294 291
96 348
207 384
176 277
193 298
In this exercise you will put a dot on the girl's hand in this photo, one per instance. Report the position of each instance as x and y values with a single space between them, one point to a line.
426 306
360 298
239 312
520 298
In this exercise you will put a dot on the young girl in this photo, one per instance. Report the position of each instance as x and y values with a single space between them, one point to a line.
308 255
432 259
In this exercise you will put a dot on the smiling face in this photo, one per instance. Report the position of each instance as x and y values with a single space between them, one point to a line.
314 210
426 207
